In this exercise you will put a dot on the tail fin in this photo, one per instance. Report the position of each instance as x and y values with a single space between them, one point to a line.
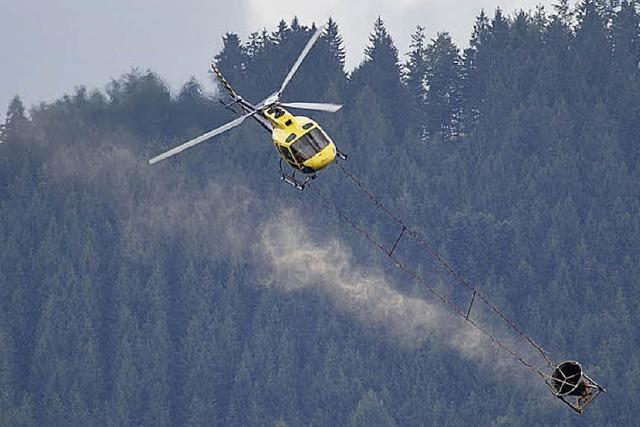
225 84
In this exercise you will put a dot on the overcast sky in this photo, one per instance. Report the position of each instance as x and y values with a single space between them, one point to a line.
49 47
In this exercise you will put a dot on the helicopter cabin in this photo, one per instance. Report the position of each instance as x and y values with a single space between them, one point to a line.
300 141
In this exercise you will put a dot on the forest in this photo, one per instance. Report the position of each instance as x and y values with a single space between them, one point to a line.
204 291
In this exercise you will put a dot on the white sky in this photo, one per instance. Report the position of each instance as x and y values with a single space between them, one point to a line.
51 46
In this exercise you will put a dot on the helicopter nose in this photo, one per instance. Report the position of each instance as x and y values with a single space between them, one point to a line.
328 157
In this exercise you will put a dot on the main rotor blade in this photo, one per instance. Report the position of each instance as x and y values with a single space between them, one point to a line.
330 108
303 55
201 138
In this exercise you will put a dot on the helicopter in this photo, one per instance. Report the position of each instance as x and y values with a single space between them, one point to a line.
299 140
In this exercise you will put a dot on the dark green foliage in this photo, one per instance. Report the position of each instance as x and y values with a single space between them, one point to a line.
232 62
334 41
124 300
443 98
380 71
415 75
370 411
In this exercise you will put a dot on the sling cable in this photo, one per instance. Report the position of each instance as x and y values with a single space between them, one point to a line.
568 381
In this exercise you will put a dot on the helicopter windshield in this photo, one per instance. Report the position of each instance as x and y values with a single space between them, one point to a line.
309 145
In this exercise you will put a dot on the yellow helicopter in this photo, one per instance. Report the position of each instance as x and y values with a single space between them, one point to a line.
300 141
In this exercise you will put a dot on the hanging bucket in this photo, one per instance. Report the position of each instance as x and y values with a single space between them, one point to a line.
568 379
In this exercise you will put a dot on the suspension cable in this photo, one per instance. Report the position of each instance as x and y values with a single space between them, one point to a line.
440 259
399 264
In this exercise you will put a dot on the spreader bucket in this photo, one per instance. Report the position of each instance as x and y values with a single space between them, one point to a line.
569 381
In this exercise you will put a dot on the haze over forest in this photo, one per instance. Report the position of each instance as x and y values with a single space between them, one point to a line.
204 291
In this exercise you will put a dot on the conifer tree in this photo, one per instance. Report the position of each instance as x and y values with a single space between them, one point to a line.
415 75
551 81
592 52
380 71
334 41
295 24
282 33
626 41
370 411
232 61
443 98
563 12
476 68
16 122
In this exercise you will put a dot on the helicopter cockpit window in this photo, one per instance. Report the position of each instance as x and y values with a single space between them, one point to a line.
285 152
309 145
307 125
291 137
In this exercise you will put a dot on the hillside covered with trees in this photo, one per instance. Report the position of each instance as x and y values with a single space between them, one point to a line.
166 295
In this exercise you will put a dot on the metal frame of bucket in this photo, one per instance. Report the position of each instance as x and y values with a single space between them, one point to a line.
569 380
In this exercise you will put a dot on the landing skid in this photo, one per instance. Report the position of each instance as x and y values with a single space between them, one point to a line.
292 180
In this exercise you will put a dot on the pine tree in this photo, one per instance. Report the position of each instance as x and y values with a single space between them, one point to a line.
15 113
526 50
443 99
551 81
327 81
626 41
282 33
563 12
370 411
262 74
334 40
415 75
16 122
476 69
232 62
592 53
295 24
381 48
381 72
